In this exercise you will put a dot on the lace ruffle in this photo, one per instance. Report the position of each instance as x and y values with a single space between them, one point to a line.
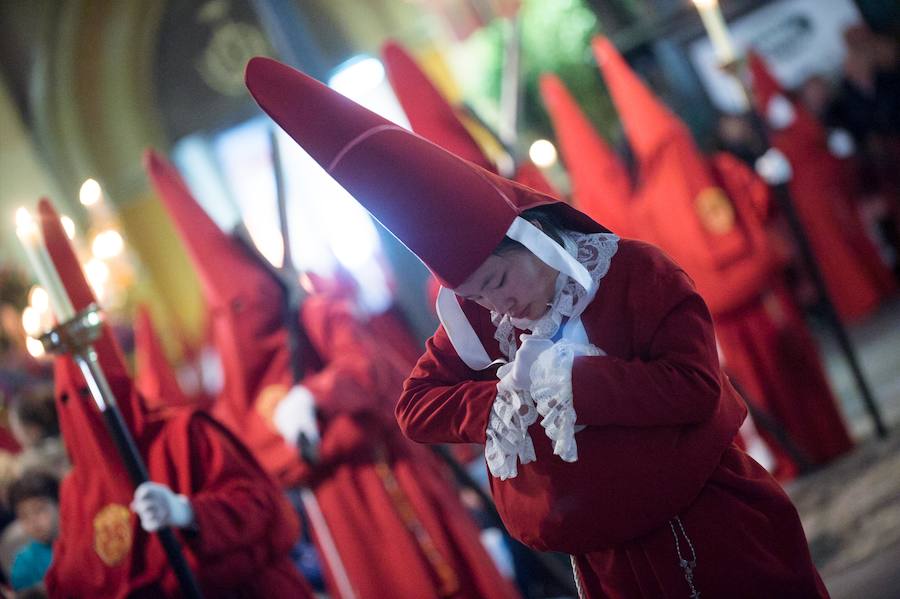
514 410
595 252
508 441
551 390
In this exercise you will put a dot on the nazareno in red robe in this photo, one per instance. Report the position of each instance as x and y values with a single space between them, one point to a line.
709 215
245 527
398 529
856 277
661 417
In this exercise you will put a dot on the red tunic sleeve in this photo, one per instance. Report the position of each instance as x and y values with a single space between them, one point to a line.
674 377
443 400
243 522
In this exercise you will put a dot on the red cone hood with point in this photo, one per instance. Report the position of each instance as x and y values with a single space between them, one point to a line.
449 212
155 378
600 183
432 117
648 122
87 441
800 135
429 113
244 300
684 203
855 275
247 321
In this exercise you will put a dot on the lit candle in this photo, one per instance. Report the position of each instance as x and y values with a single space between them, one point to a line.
42 266
716 29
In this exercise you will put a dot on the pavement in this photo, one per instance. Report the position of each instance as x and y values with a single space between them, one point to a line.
851 509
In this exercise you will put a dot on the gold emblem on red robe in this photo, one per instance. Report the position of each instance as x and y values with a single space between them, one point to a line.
269 398
715 210
113 534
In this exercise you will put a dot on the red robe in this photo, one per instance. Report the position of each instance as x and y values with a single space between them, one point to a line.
244 526
856 277
709 214
661 418
362 456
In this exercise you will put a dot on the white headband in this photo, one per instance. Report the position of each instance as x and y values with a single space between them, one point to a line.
463 337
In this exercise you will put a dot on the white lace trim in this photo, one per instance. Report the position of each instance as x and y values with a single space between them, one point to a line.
550 396
508 440
551 390
595 252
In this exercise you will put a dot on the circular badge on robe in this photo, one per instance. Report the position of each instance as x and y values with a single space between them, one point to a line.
113 533
715 210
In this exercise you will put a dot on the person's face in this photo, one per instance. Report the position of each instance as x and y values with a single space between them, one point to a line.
39 517
515 283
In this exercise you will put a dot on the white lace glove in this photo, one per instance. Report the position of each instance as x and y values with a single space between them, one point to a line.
295 415
513 411
157 507
551 389
517 374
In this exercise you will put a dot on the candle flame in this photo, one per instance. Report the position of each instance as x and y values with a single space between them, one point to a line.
39 299
34 347
705 3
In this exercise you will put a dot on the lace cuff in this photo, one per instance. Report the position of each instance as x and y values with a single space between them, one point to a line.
551 390
508 441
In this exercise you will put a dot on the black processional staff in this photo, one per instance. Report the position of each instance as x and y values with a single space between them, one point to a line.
75 335
777 173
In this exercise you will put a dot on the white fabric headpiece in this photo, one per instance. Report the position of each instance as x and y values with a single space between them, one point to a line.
459 329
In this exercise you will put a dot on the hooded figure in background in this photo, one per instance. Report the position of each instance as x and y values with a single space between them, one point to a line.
234 524
858 281
384 523
709 215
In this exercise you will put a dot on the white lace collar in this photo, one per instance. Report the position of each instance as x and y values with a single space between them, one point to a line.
594 251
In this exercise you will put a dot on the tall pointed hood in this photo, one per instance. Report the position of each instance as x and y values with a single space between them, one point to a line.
225 268
600 182
429 113
648 122
450 213
686 207
247 318
244 300
154 376
792 125
87 441
856 277
432 117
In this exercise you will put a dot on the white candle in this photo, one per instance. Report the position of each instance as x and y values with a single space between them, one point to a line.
716 29
42 266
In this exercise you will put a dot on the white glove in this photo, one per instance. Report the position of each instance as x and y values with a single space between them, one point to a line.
157 507
517 374
508 441
780 113
774 167
841 144
295 415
